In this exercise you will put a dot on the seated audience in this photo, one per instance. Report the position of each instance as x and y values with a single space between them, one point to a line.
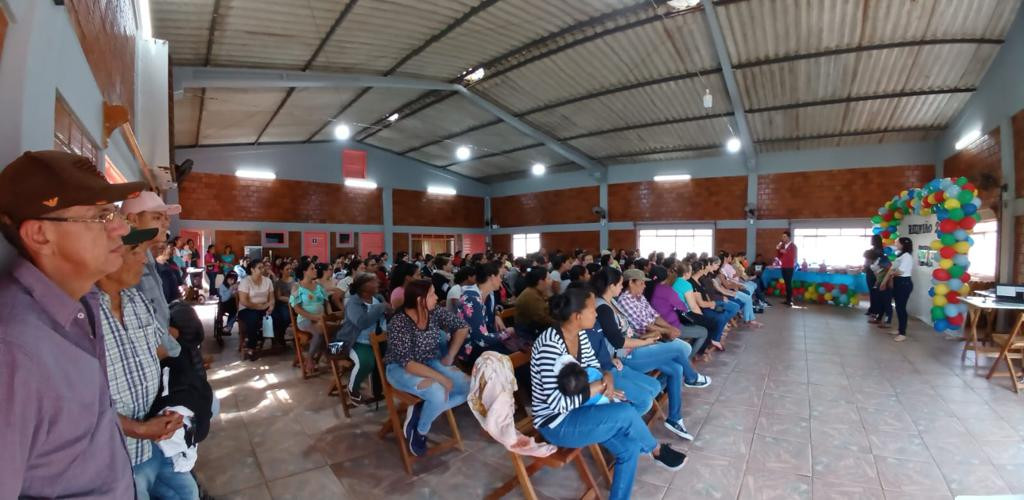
402 274
256 298
227 303
532 315
565 420
559 267
308 299
578 274
365 312
414 365
283 286
643 352
732 292
441 277
487 331
697 298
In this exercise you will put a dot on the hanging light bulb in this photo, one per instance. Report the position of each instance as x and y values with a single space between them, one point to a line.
462 153
342 132
733 145
709 100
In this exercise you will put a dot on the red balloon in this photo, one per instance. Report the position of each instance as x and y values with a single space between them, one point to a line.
949 225
939 196
829 287
967 187
887 216
947 252
956 320
843 288
941 274
966 277
953 297
967 223
886 235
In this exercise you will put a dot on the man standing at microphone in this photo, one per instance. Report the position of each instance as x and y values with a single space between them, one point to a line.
787 256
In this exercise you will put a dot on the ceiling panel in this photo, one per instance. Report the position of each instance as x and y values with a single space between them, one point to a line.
232 116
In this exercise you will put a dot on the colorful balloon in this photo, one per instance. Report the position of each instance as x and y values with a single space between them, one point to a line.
967 222
948 226
956 271
947 252
939 300
951 203
941 289
946 264
941 274
947 239
936 244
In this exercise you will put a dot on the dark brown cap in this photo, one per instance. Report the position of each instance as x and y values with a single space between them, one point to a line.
40 182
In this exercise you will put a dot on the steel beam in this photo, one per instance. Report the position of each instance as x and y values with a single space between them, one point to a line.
194 76
733 89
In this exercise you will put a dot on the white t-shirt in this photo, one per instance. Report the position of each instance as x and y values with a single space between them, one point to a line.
258 294
555 276
905 264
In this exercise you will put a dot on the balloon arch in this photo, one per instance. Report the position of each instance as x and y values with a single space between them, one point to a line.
955 203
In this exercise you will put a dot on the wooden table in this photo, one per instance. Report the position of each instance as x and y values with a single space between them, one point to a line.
1004 344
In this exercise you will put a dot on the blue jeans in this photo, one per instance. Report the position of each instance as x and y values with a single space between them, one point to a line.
731 308
720 320
640 389
901 288
434 402
615 426
672 360
156 477
746 303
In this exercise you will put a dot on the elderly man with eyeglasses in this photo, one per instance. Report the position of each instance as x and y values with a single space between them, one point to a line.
60 435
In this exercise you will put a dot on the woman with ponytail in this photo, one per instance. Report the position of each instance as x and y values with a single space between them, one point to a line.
898 279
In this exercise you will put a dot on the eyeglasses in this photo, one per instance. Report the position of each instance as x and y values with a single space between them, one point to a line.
104 218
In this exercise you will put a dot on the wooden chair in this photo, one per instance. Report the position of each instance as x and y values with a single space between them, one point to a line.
560 458
301 340
397 403
1011 348
508 316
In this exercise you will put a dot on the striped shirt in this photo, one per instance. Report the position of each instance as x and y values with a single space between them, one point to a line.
133 369
550 405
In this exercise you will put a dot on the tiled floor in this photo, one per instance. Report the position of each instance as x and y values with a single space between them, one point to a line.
815 405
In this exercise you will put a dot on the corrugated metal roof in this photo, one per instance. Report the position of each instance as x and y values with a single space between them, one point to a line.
186 114
367 109
306 110
834 142
674 100
676 155
876 115
652 139
636 55
767 29
512 162
454 114
185 24
233 116
378 33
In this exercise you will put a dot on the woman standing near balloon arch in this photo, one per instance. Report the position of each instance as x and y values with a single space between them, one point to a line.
899 279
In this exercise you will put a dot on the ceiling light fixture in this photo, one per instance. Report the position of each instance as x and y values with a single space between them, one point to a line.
462 153
967 139
360 183
393 118
447 191
733 145
672 177
683 4
709 100
255 174
342 132
475 76
538 169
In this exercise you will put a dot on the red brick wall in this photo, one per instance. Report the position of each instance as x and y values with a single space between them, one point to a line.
766 241
501 243
237 239
1019 250
856 192
1018 151
624 239
205 196
730 240
562 206
697 199
418 208
106 32
981 157
570 240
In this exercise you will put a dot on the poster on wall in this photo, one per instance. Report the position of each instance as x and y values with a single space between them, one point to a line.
926 256
344 240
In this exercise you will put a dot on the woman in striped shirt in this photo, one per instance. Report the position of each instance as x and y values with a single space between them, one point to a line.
564 421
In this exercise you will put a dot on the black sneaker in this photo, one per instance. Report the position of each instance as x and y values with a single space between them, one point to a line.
355 397
418 444
669 458
412 419
700 381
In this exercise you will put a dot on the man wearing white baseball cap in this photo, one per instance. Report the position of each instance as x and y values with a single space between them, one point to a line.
146 211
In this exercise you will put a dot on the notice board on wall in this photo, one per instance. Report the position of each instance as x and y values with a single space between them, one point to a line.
353 164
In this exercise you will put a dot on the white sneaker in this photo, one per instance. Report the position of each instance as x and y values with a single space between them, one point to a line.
900 338
894 332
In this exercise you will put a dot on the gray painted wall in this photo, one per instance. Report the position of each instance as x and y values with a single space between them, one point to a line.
321 162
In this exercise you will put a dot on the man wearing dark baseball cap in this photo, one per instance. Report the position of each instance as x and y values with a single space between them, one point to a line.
60 435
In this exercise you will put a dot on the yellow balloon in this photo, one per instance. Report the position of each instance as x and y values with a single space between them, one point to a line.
828 296
965 290
926 211
936 245
931 199
855 300
939 300
897 215
961 246
903 194
941 289
951 203
945 263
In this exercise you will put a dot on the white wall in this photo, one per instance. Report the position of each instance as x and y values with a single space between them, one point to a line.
920 303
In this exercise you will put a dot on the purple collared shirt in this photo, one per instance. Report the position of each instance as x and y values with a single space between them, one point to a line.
59 433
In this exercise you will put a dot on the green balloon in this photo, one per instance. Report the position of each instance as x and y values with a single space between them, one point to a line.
956 271
878 218
961 181
956 214
938 313
947 240
976 216
965 197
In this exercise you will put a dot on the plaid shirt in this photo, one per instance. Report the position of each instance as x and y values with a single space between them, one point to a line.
637 310
133 370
